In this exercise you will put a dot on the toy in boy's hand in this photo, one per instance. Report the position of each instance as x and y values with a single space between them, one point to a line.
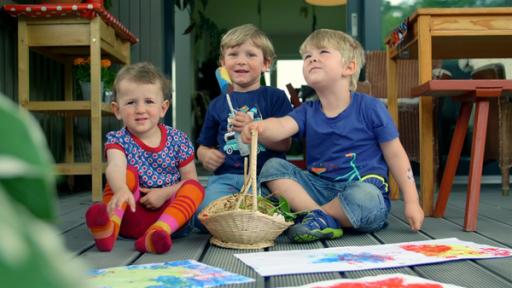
223 79
235 126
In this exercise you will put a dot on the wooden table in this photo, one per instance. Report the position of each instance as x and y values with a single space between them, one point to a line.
469 92
444 33
63 32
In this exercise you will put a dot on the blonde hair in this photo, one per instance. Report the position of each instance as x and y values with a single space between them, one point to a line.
349 48
248 32
142 73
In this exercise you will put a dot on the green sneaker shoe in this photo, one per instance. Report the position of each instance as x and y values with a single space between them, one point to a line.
316 225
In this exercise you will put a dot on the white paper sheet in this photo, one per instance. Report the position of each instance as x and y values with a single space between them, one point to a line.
368 257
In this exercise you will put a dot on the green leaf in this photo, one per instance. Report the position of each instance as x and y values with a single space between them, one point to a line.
27 170
31 252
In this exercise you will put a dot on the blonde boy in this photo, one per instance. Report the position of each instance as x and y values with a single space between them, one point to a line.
246 52
350 142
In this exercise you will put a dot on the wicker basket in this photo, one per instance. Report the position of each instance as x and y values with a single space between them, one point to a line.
233 227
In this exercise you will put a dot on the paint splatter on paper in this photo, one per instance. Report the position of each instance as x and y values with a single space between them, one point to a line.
183 273
390 281
368 257
455 251
353 258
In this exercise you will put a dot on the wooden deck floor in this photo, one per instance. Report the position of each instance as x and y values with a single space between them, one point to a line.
494 228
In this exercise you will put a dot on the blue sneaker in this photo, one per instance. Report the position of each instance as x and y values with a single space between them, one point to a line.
316 225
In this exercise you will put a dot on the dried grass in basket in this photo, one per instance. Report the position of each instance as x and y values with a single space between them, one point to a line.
234 227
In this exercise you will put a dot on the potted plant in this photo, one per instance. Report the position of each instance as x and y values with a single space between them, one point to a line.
82 74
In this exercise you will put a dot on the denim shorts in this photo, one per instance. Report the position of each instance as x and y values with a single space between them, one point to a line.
218 186
363 203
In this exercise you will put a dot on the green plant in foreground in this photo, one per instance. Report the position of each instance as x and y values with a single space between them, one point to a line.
32 253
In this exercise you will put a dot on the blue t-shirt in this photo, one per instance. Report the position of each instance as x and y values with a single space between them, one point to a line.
337 147
262 103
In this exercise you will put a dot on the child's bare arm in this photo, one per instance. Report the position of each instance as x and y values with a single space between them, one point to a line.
400 168
155 197
211 158
271 130
116 178
242 119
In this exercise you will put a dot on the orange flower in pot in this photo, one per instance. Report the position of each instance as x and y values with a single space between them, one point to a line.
82 73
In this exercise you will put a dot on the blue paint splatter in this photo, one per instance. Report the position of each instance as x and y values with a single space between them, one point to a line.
353 258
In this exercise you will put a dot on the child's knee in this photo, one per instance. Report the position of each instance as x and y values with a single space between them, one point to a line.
192 188
365 206
364 194
194 183
274 163
275 168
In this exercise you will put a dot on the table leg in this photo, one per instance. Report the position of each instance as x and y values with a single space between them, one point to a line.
427 180
452 162
476 164
392 92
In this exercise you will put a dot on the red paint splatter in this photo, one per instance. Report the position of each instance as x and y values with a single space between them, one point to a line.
428 249
394 282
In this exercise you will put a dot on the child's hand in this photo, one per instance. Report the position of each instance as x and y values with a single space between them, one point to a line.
213 159
246 136
119 198
154 197
240 120
414 215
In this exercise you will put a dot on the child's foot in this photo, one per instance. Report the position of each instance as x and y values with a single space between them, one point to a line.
316 225
154 241
101 227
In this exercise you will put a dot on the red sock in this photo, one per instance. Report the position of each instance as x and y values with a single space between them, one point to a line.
105 228
102 228
155 241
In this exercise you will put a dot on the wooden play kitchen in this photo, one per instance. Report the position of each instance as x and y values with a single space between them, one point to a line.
63 32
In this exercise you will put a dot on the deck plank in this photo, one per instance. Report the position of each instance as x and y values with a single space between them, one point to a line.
475 272
190 247
122 254
78 239
494 229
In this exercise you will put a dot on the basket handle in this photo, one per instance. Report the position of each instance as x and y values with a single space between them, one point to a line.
244 186
251 180
253 168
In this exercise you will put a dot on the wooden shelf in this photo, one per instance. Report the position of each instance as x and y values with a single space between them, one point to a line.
75 168
63 39
67 107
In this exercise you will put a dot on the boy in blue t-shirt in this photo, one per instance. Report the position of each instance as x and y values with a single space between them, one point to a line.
246 52
350 141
